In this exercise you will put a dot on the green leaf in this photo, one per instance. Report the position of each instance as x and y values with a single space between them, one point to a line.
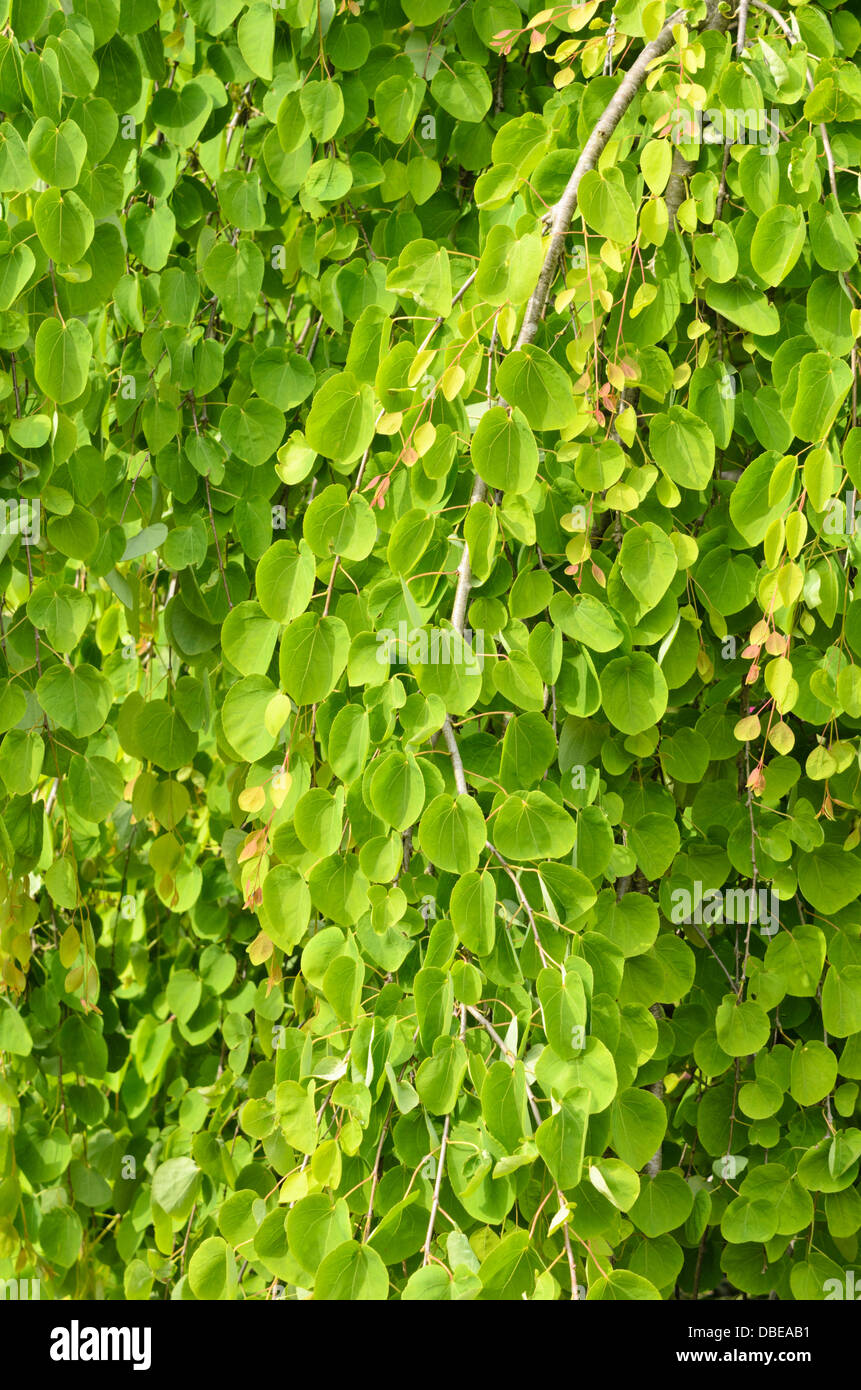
312 655
606 205
664 1203
76 698
777 243
683 447
211 1269
336 524
531 380
351 1273
648 563
742 1029
57 152
622 1285
252 431
175 1184
340 425
744 306
15 1037
841 1001
285 580
463 90
829 878
439 1077
255 35
533 826
508 1271
235 275
452 833
316 1226
397 102
504 450
63 355
823 385
423 272
814 1072
633 692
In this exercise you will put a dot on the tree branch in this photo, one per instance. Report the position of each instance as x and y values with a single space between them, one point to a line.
560 221
426 1248
561 214
674 194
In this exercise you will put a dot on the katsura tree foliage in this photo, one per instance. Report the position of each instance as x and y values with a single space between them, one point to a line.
431 656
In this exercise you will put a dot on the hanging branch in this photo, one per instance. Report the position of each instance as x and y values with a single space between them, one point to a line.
559 218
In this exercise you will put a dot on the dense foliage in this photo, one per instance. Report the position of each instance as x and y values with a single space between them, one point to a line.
431 657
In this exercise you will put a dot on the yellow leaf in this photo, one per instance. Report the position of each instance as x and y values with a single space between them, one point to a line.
574 520
276 714
622 498
642 299
420 363
281 783
73 979
705 665
843 754
687 215
70 944
579 16
626 425
506 323
686 549
773 543
667 493
260 949
653 16
252 799
781 738
592 57
747 728
796 533
820 764
424 437
578 549
294 1187
452 380
610 256
389 424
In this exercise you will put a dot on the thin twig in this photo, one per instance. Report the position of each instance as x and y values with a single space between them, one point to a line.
217 546
440 320
426 1248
